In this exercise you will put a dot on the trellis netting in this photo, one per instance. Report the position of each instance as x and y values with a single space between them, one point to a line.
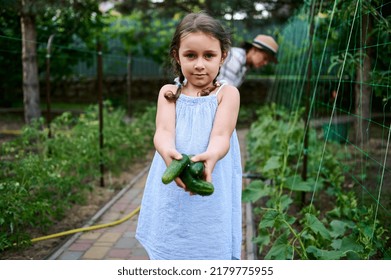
334 64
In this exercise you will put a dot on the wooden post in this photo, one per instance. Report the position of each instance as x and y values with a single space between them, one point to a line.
362 88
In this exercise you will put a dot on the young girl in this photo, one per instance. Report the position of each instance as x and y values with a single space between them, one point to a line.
195 118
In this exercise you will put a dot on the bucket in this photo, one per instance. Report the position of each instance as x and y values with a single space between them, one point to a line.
338 132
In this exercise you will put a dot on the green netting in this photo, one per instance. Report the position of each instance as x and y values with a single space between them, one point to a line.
334 61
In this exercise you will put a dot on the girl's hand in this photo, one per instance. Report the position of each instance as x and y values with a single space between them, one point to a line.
168 156
209 162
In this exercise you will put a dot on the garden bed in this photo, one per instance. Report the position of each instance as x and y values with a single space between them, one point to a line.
52 184
77 215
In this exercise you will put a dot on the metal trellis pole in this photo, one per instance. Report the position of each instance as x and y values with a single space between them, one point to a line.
100 101
307 103
48 101
129 84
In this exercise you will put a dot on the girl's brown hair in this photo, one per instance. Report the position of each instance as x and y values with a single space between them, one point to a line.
196 22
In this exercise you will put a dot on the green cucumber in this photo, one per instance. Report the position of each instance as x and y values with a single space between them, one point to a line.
197 169
196 185
174 169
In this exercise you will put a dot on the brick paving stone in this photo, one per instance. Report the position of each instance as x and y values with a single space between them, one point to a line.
126 243
119 253
120 207
118 228
90 235
96 253
111 217
78 246
139 252
84 241
129 234
102 244
138 258
132 193
132 227
110 237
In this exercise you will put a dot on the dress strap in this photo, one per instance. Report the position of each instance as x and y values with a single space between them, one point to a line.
218 91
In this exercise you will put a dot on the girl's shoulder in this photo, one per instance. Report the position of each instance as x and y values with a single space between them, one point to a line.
168 87
167 90
226 90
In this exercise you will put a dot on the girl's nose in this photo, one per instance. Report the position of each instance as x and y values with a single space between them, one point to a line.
199 64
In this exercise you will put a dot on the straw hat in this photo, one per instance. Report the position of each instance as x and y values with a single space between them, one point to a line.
268 44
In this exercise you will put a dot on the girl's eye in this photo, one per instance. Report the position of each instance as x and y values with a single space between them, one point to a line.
209 55
190 55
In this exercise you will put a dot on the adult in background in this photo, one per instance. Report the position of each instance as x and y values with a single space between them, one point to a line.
262 50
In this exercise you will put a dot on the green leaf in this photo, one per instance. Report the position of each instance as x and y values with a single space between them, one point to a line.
350 244
281 249
317 226
325 254
285 202
262 239
272 163
296 183
254 191
335 212
269 219
338 228
336 244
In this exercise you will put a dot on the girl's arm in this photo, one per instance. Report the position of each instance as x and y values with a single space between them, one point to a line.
164 138
223 126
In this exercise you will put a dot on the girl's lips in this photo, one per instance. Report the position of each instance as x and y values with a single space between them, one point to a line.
200 74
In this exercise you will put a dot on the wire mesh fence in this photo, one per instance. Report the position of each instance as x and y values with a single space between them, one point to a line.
334 61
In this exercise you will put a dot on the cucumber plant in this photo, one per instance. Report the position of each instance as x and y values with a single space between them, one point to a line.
332 225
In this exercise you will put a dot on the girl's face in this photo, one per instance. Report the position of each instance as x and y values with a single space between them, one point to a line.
200 58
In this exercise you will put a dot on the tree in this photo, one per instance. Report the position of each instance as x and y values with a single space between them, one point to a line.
73 21
10 53
251 11
362 88
29 62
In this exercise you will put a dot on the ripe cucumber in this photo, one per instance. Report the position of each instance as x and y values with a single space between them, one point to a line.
174 169
196 185
197 169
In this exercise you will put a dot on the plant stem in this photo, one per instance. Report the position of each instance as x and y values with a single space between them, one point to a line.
297 238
